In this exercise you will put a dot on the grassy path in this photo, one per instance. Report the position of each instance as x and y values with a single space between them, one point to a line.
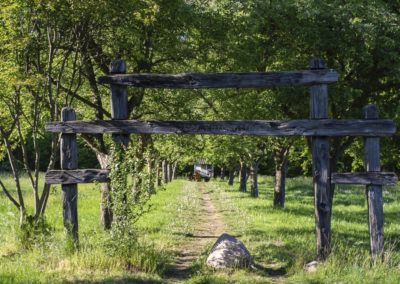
208 228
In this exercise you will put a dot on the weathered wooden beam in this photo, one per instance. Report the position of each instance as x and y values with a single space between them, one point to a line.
76 176
374 192
223 80
69 192
320 127
321 170
366 178
119 101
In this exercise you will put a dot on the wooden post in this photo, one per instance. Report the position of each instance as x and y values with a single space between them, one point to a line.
373 192
69 192
119 101
321 172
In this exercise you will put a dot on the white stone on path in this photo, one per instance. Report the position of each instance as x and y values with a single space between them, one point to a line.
311 266
229 252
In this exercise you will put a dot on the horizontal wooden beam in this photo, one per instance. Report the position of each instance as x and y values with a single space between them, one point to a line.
223 80
76 176
321 127
367 178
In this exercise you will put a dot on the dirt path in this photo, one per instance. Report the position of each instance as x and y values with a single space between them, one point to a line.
209 228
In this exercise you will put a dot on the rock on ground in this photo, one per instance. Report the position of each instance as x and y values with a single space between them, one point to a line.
311 267
229 252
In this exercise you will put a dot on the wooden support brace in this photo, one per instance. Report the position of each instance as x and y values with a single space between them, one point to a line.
374 192
366 178
69 192
321 171
119 101
224 80
76 176
299 127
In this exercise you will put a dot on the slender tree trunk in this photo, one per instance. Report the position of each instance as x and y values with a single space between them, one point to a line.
159 173
106 214
55 145
170 171
243 177
254 179
231 176
174 166
150 172
222 174
280 178
16 176
165 171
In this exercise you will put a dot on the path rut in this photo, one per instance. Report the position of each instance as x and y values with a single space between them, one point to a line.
209 228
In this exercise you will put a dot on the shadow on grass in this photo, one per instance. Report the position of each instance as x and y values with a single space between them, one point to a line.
270 271
300 190
284 254
119 280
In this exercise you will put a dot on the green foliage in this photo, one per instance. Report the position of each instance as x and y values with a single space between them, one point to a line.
129 199
34 233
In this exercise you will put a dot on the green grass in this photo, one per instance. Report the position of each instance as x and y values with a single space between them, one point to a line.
282 241
161 230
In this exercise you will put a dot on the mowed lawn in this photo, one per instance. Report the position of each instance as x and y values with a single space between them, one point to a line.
281 240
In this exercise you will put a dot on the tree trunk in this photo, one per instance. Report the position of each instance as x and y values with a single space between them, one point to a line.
280 178
222 174
170 171
150 172
159 173
106 214
231 176
174 165
50 166
243 177
165 171
254 179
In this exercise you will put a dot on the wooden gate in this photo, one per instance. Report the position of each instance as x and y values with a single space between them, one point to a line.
318 127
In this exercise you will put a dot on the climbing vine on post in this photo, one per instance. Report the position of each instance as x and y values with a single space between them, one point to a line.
129 199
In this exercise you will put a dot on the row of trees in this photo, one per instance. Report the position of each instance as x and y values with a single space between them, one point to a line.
51 53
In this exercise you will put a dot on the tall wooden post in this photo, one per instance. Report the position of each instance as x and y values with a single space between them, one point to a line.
69 192
373 192
321 171
119 101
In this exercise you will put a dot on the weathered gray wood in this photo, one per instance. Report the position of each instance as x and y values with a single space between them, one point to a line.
366 178
119 100
224 80
374 192
322 127
76 176
69 192
321 171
